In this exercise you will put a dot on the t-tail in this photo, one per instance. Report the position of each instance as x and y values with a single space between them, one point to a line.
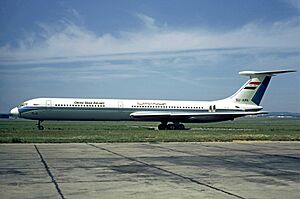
254 89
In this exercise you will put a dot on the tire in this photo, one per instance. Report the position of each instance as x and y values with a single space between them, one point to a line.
41 128
161 127
171 127
181 127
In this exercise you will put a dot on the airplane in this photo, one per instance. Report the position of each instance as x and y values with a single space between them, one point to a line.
170 113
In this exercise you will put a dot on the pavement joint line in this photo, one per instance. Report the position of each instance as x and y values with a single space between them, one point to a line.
22 168
269 147
254 152
26 183
50 173
247 164
167 171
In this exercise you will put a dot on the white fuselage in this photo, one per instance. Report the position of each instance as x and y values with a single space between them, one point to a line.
121 110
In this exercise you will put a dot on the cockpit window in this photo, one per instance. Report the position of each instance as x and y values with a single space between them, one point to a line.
23 104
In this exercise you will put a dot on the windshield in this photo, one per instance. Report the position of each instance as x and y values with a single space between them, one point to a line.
23 104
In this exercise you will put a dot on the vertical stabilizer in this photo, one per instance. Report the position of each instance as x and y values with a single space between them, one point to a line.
254 89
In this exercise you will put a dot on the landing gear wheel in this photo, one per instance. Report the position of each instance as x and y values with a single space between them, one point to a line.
171 127
162 127
181 127
175 126
41 128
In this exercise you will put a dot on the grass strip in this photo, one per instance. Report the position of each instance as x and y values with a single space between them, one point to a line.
244 129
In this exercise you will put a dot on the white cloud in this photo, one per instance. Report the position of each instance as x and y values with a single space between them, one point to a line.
147 21
70 41
294 3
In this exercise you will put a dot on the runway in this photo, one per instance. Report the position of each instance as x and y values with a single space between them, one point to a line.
150 170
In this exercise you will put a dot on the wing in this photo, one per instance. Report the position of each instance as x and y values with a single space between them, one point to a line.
190 116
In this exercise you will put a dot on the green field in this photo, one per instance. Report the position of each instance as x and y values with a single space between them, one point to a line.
23 131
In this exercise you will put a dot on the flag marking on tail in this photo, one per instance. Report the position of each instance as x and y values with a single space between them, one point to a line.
250 87
254 83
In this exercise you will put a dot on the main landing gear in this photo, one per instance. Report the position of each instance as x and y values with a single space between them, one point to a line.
174 126
40 127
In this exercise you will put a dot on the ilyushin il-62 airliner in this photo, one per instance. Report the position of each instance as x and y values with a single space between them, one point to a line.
170 113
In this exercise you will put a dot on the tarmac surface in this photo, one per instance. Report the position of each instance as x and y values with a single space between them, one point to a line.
151 170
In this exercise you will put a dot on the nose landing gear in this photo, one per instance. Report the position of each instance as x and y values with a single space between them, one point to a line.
39 126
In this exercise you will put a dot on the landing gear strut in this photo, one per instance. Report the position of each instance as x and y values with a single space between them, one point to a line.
174 126
40 127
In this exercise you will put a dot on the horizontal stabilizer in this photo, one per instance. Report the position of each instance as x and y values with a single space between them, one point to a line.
266 73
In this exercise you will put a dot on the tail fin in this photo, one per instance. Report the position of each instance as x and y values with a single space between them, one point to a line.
253 90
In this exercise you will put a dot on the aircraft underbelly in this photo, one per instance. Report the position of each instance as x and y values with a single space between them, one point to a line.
186 119
105 115
114 115
204 119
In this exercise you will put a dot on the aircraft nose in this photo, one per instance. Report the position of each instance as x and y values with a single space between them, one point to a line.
14 112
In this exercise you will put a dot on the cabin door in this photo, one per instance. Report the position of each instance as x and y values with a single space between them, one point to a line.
212 108
48 103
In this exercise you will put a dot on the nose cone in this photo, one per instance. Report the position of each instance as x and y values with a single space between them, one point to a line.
14 112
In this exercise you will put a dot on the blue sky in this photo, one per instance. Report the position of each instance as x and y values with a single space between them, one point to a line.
190 50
